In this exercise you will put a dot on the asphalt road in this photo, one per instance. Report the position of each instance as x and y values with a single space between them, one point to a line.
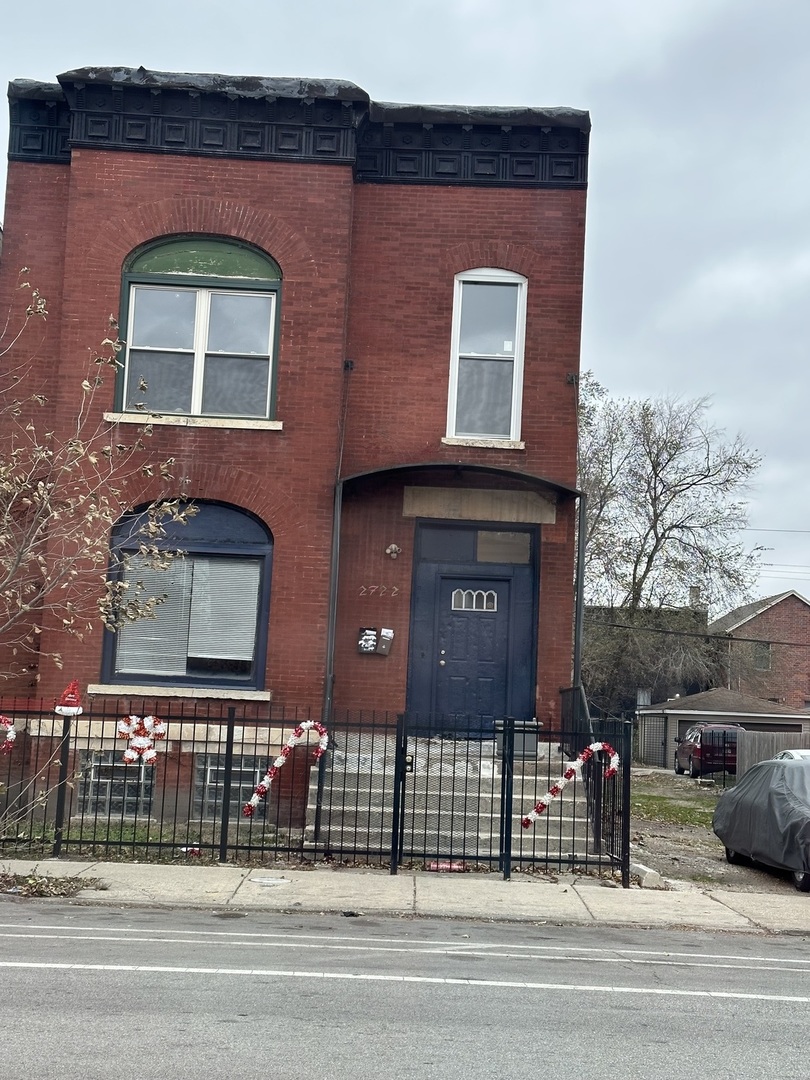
135 995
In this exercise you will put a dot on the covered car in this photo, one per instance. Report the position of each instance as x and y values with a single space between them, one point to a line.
766 818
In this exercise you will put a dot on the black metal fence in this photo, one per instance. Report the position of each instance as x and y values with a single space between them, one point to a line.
657 741
391 790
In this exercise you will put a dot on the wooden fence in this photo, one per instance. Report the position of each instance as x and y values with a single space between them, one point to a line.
754 746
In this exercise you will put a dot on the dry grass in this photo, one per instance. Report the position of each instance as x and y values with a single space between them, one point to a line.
39 885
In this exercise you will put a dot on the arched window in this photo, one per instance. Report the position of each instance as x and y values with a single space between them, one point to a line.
200 318
211 627
486 362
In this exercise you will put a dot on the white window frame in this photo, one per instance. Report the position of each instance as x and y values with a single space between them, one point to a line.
492 276
199 348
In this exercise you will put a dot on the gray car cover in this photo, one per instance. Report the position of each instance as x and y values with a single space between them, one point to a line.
766 816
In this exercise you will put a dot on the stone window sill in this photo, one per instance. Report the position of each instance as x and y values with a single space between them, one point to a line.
197 693
501 444
167 420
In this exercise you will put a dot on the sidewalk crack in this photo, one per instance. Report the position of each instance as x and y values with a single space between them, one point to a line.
581 899
239 885
734 911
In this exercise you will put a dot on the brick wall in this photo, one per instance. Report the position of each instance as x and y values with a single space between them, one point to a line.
368 276
408 245
788 679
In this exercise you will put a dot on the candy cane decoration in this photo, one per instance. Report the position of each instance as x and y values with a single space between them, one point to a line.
249 809
7 723
142 733
574 770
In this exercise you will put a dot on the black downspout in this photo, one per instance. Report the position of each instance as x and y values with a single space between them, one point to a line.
579 610
331 626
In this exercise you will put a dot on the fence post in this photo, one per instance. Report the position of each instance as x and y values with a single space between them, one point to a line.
61 788
507 794
226 788
401 749
626 752
596 781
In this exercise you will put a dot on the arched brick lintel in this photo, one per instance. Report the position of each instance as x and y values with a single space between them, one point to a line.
240 488
501 255
213 217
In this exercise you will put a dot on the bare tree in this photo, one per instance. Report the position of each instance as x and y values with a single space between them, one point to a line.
665 509
62 487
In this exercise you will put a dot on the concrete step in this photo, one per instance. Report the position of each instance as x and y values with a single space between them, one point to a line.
458 804
367 789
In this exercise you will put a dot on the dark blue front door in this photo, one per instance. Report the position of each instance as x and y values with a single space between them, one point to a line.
472 644
472 648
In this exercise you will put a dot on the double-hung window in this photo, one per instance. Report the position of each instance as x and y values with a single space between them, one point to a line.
486 365
201 330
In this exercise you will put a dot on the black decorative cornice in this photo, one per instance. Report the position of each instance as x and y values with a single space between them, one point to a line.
492 147
301 120
40 122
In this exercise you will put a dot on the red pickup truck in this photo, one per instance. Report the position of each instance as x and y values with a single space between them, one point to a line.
707 748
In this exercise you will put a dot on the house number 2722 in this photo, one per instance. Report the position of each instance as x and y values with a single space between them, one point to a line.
379 590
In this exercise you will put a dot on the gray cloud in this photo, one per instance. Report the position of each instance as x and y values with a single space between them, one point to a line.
698 250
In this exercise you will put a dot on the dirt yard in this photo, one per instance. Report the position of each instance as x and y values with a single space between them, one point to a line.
671 833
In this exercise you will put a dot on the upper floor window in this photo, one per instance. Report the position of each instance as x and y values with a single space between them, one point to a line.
210 627
201 328
486 365
762 655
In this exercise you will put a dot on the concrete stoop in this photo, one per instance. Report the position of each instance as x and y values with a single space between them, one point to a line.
452 803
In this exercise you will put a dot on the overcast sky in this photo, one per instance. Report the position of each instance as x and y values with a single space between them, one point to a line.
698 249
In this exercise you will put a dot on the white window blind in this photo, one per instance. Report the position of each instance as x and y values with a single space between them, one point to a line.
224 606
158 646
210 612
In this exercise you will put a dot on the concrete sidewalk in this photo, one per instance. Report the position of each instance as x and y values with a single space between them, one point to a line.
573 901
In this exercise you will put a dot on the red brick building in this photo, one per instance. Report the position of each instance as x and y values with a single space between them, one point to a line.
768 649
355 326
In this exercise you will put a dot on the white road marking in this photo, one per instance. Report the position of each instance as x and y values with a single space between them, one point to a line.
417 949
345 976
316 939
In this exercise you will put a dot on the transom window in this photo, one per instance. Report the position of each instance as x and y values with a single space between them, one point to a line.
210 627
475 600
201 329
486 366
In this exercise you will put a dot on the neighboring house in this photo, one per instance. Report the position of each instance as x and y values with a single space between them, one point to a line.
659 725
768 649
355 327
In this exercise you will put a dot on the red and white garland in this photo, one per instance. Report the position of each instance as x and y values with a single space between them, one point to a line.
249 809
7 723
142 733
574 770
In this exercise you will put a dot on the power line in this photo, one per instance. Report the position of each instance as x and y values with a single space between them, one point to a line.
703 636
